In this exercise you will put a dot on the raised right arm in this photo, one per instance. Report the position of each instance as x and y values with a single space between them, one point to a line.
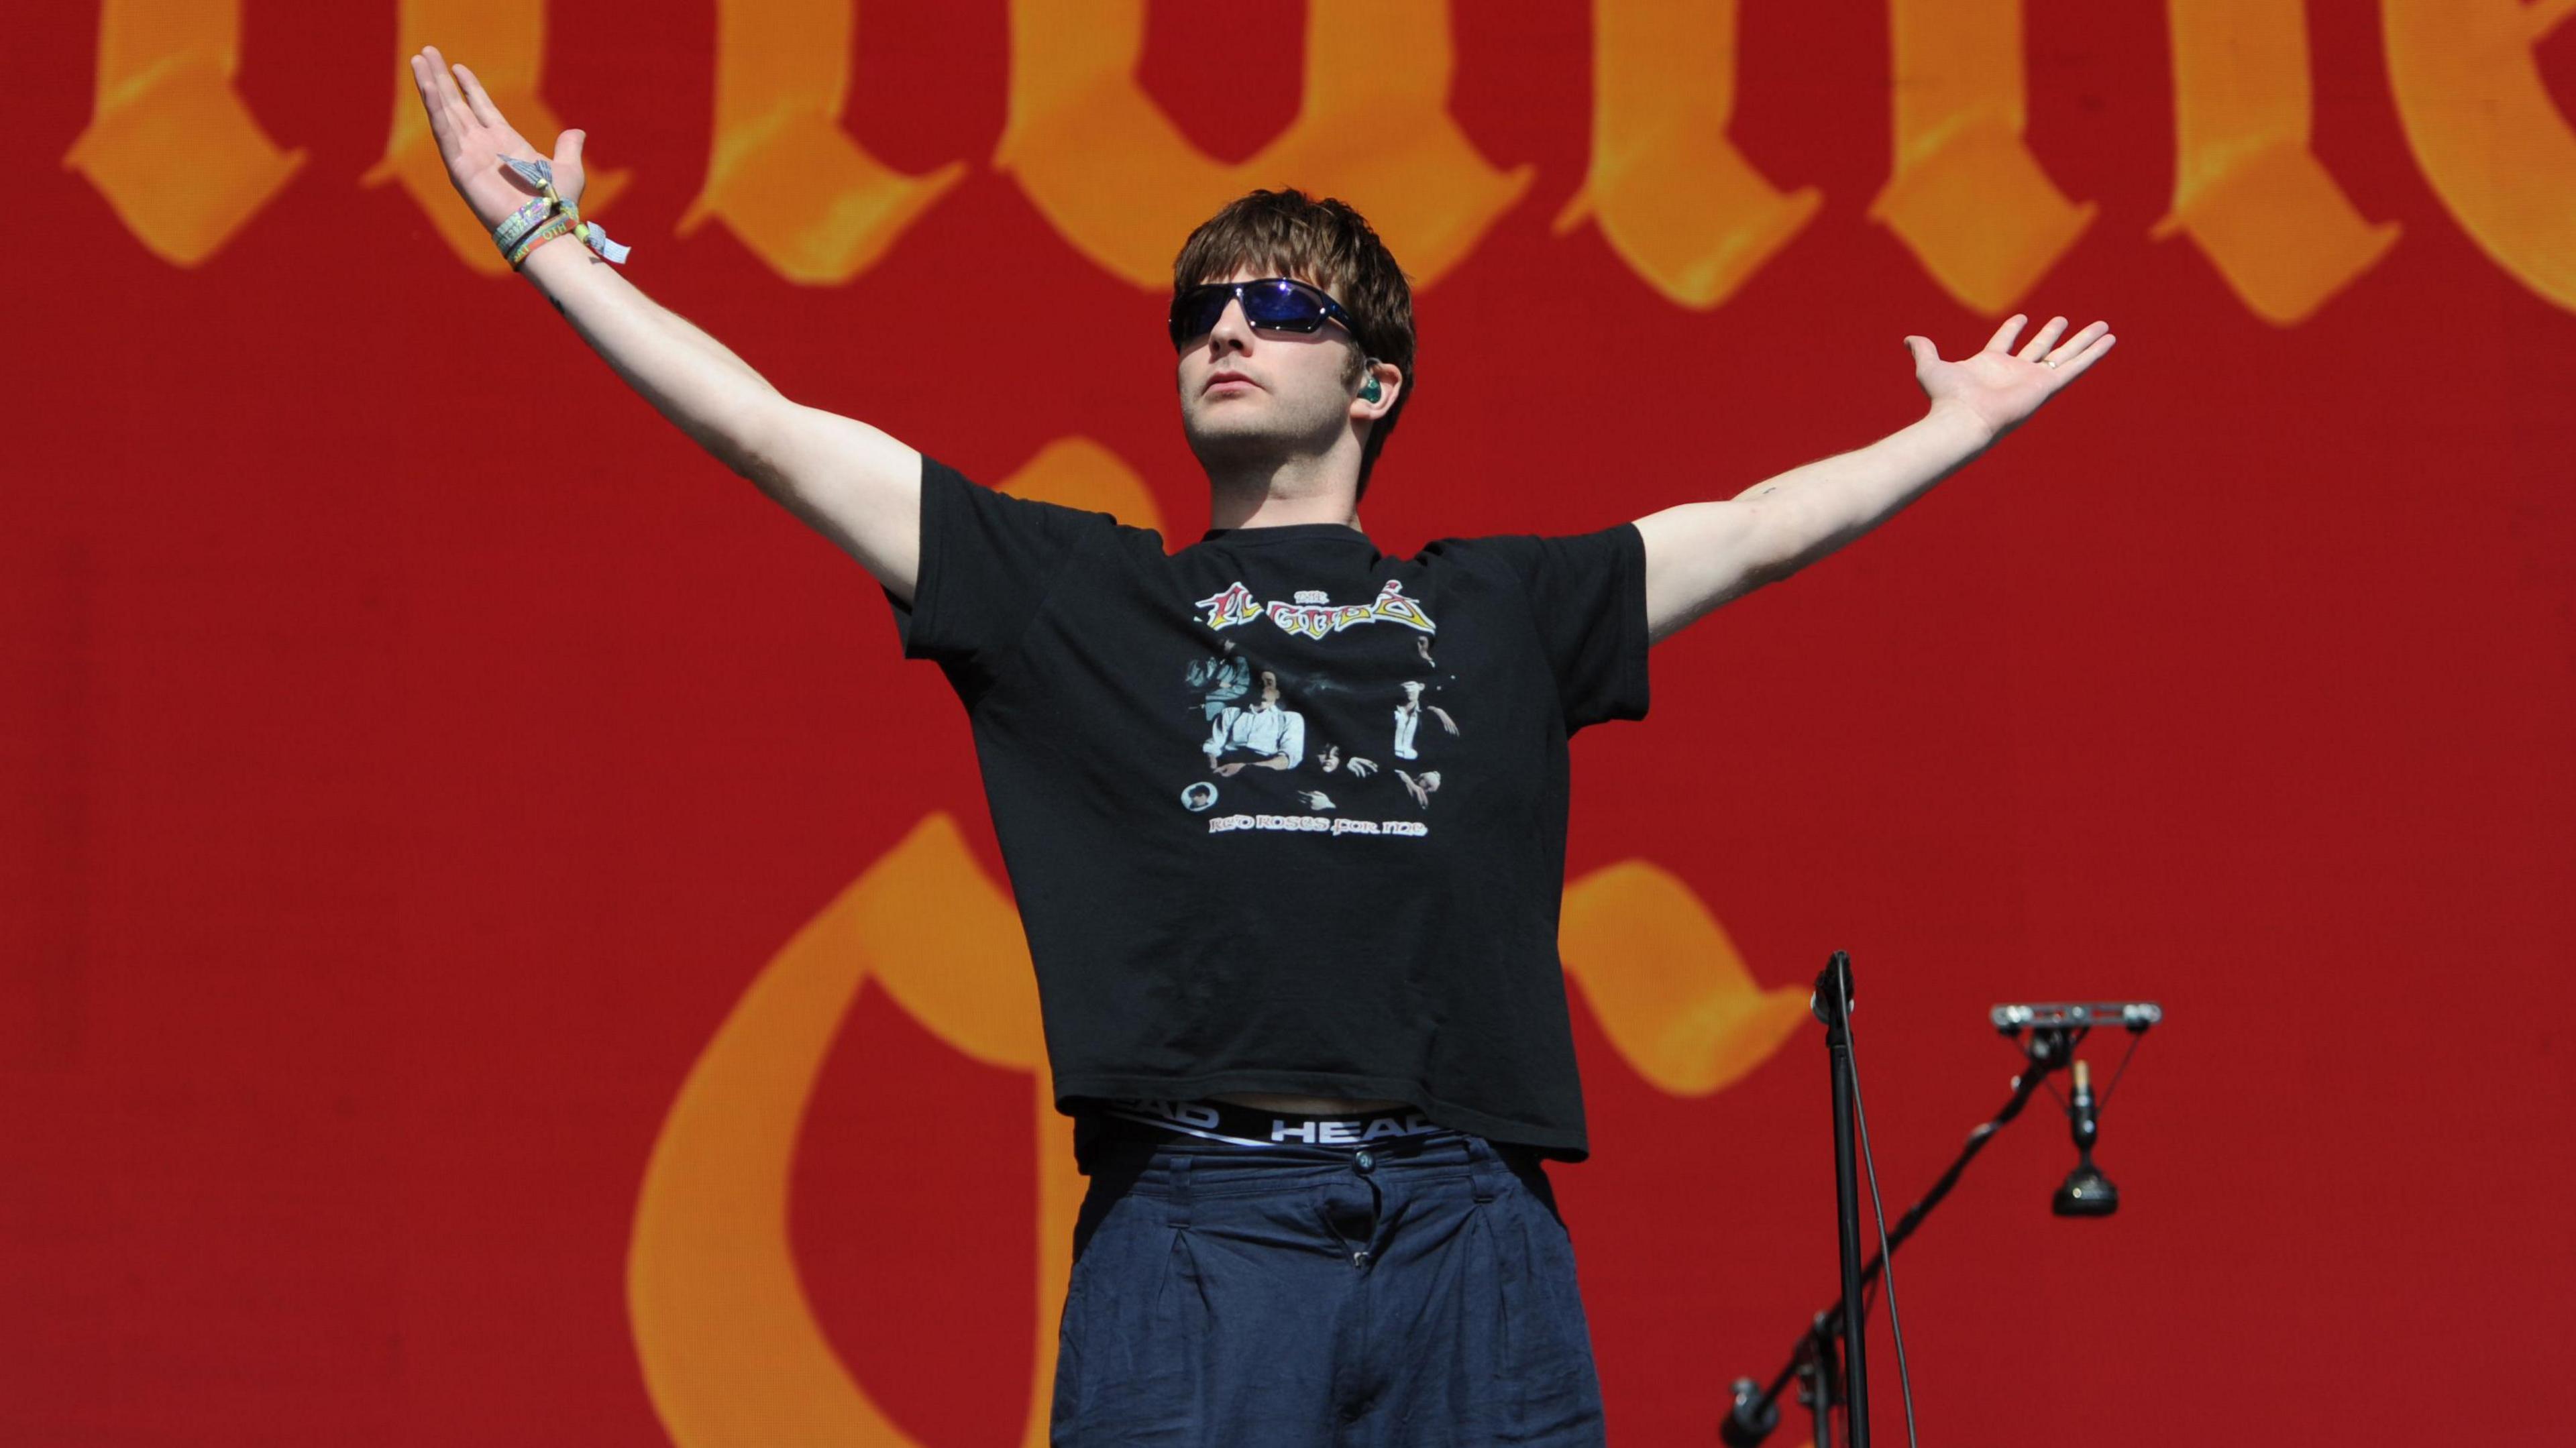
847 480
850 482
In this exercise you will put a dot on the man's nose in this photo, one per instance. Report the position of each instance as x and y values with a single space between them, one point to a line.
1232 328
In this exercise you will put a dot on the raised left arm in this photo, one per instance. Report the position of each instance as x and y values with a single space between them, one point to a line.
1700 555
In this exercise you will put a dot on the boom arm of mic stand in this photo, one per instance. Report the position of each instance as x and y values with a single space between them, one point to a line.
1754 1415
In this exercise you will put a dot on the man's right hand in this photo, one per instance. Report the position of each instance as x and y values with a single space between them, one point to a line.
847 480
473 138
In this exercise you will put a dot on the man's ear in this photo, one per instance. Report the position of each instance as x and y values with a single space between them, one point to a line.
1380 384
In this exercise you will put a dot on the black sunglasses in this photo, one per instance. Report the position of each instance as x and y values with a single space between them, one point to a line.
1272 304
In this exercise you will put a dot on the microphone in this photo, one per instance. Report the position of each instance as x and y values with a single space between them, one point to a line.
1750 1418
2085 1192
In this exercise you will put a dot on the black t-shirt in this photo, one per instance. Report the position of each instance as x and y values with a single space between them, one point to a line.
1283 813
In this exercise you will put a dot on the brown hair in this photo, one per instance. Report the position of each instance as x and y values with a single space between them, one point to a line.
1325 243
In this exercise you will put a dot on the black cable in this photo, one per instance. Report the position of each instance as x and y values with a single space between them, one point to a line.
1886 1254
2074 1042
2135 1038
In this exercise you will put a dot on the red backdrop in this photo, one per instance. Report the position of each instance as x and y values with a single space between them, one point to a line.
412 747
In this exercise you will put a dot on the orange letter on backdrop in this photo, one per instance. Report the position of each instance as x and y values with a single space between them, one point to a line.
1124 186
2480 119
504 43
169 142
732 1354
1666 983
1967 197
1674 197
2246 187
784 176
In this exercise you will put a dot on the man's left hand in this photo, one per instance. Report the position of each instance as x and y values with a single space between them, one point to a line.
2001 388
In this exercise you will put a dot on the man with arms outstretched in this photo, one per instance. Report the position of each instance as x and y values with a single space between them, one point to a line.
1307 1016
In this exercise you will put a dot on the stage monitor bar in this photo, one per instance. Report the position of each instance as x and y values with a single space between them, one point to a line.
2068 1015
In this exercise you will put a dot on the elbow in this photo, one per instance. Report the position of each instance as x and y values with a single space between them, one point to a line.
754 439
1770 571
1764 571
1774 565
1779 538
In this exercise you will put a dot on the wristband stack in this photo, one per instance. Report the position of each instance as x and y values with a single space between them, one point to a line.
538 222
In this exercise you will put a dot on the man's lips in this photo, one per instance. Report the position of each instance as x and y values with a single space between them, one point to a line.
1222 378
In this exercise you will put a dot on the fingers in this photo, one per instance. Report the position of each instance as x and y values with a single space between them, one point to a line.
484 110
2072 366
450 119
2040 341
448 94
2044 339
442 121
2066 357
429 101
2076 345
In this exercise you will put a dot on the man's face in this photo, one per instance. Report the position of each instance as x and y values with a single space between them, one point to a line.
1249 396
1269 687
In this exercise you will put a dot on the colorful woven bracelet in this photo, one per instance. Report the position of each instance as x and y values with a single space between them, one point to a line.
541 174
538 238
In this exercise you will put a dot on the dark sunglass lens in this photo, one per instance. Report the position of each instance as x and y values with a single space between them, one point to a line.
1194 312
1283 306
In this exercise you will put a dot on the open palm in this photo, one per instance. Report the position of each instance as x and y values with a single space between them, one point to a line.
2003 387
473 138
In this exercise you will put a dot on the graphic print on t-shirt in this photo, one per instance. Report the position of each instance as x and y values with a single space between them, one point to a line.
1344 745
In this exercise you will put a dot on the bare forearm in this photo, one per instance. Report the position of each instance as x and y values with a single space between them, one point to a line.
1808 512
1699 555
851 482
688 376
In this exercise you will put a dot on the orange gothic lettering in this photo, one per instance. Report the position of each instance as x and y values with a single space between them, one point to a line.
2479 116
169 142
783 176
507 43
1967 197
1119 181
184 165
1674 198
2247 190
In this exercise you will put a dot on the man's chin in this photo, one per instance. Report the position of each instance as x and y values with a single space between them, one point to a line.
1228 413
1230 439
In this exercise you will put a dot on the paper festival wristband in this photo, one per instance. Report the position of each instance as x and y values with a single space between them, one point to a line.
541 174
515 227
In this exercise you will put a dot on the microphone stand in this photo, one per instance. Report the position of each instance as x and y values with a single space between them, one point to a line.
1756 1409
1832 1004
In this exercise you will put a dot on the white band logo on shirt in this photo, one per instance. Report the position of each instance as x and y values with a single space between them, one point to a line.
1237 605
1258 727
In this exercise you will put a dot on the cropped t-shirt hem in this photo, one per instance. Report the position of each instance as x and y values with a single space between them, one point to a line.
1072 1093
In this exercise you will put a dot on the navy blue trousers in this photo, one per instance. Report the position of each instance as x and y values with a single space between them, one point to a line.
1414 1293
